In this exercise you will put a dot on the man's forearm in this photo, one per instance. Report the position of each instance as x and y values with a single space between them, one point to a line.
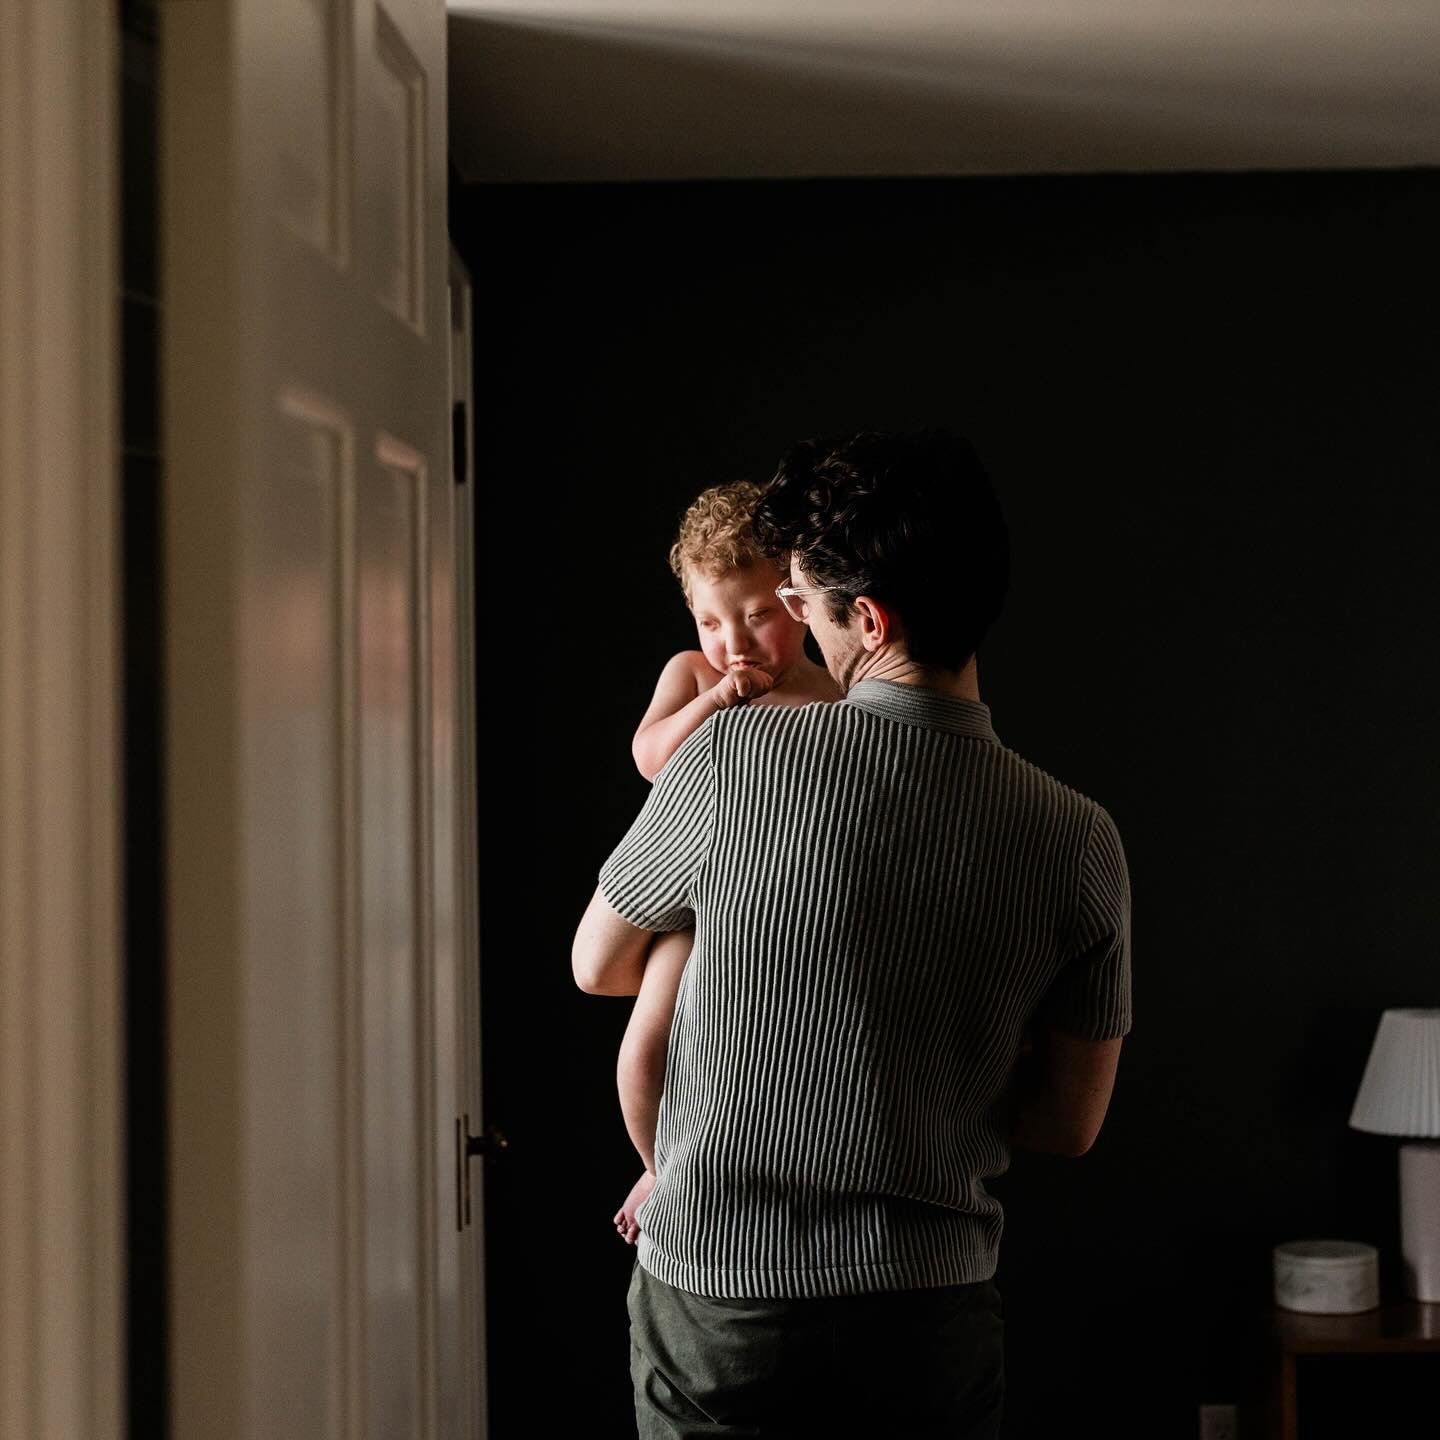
608 955
1029 1117
1060 1091
1033 1128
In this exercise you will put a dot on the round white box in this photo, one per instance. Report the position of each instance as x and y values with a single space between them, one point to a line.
1327 1277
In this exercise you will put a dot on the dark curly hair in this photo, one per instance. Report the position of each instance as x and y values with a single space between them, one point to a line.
909 519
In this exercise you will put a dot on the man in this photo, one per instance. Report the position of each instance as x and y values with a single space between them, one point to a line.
886 901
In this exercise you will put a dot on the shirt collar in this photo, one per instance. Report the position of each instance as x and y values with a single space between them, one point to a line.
915 705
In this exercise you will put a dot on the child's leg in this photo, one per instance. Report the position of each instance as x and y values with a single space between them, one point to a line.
640 1071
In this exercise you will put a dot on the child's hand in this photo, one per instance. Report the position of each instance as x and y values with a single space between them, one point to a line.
745 684
625 1221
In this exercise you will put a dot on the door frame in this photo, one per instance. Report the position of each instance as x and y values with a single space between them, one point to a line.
62 1190
471 1180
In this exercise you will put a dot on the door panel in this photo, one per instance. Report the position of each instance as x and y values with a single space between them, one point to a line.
390 941
291 908
312 852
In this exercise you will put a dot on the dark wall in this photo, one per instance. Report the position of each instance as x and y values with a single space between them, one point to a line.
1209 407
141 470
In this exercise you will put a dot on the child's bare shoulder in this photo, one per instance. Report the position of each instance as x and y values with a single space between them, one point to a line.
807 684
690 665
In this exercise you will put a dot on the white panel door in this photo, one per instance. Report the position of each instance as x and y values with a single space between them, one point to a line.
310 517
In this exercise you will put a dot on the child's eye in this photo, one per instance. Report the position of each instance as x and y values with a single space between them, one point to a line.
760 614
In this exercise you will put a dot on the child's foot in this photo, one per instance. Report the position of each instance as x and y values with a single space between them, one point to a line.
625 1222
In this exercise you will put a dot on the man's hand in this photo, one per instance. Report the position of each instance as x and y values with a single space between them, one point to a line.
749 682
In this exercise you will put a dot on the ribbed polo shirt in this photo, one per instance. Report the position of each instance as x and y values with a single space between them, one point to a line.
882 896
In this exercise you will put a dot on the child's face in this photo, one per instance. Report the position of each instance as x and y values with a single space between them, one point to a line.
740 622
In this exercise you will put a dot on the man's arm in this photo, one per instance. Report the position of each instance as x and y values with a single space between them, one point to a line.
608 956
1060 1092
648 883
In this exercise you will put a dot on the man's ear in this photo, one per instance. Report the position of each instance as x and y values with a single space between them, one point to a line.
878 623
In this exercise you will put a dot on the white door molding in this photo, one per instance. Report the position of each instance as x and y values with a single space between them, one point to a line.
61 1090
471 1181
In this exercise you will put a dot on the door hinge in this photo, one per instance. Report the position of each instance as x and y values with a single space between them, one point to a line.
459 442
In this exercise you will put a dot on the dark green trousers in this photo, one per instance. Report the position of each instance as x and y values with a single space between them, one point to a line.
902 1365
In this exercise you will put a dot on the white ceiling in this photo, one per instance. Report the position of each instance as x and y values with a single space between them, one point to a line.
584 90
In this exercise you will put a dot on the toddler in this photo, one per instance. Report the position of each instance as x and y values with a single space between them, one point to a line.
751 652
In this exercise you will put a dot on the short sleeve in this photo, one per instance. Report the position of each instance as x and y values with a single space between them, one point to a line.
1091 995
650 877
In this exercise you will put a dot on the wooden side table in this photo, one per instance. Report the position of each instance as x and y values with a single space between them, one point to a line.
1403 1329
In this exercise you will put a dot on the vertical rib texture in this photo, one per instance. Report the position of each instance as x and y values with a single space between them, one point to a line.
882 896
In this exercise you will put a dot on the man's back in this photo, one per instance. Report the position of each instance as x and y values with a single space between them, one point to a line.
883 897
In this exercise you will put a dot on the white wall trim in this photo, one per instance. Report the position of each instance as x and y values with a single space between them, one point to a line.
61 1173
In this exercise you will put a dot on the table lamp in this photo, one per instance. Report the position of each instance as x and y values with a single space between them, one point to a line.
1400 1095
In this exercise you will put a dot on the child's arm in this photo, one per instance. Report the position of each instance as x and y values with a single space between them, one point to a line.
640 1071
677 710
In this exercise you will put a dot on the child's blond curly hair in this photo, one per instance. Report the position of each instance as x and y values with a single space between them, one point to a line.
715 533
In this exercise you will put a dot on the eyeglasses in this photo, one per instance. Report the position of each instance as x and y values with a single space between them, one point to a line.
790 596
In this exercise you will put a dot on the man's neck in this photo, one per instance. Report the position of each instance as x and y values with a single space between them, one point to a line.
901 670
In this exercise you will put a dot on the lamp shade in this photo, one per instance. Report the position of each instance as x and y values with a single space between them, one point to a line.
1400 1090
